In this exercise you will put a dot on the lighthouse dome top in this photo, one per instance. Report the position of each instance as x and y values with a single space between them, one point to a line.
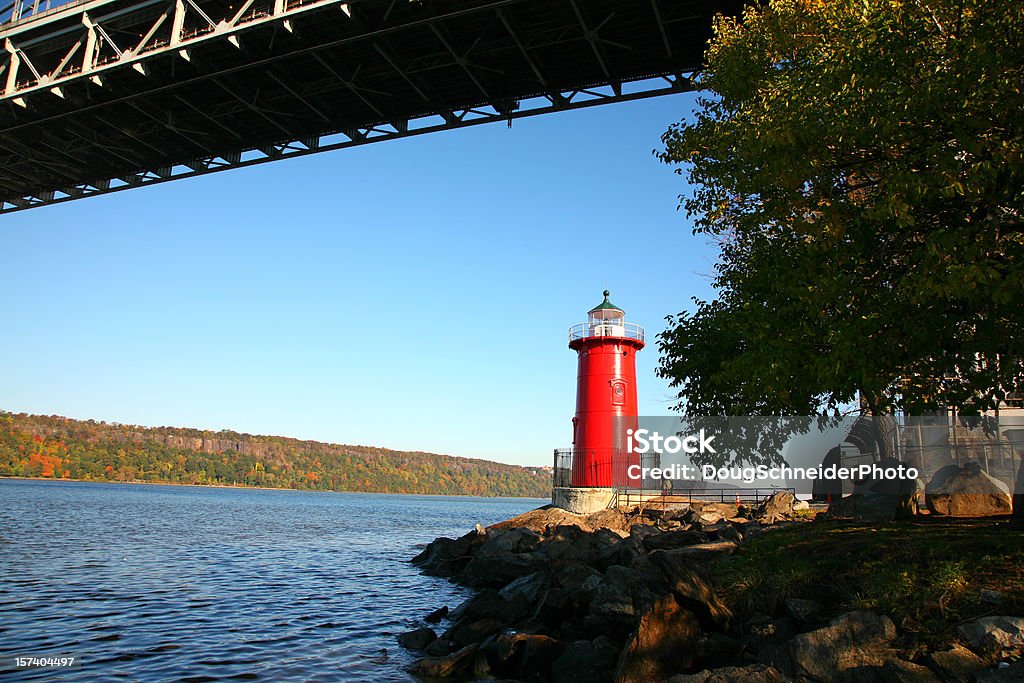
606 310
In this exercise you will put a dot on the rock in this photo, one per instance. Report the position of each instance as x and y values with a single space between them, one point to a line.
894 670
512 541
622 553
521 655
494 570
801 506
467 632
673 539
542 519
613 519
692 590
439 648
753 673
967 492
488 603
437 615
619 601
864 507
777 506
585 661
417 639
642 531
665 642
849 641
454 664
528 589
706 551
995 637
803 610
721 510
445 557
730 532
573 577
956 664
566 545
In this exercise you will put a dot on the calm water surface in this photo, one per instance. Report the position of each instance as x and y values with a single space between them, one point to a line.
178 583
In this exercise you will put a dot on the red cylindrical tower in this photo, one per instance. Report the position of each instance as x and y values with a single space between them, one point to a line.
606 404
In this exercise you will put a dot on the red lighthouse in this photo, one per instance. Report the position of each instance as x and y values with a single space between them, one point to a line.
606 405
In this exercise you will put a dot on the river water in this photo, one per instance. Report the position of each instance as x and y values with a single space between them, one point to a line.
179 583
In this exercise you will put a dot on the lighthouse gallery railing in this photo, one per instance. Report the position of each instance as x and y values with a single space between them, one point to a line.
604 329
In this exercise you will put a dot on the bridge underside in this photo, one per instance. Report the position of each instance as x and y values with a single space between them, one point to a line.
106 95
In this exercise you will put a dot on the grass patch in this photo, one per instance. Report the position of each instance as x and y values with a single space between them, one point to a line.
927 575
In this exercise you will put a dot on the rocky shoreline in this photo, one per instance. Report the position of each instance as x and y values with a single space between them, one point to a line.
629 596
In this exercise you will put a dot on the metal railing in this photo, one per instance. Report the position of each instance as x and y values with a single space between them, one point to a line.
622 330
608 468
680 496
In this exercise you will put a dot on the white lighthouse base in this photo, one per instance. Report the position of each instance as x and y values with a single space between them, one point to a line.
582 500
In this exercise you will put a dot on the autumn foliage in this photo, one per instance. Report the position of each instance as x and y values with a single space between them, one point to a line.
58 447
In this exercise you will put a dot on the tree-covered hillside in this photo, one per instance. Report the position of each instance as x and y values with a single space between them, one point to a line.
59 447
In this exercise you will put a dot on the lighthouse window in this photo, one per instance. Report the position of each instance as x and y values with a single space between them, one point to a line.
618 393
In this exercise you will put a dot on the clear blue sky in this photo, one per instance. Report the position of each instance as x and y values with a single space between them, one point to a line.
413 294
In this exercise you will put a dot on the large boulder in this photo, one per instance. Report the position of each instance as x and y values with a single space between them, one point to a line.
417 639
875 508
849 641
955 664
612 519
995 637
967 491
775 507
543 519
664 643
445 556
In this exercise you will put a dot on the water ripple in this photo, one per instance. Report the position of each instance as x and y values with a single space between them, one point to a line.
168 583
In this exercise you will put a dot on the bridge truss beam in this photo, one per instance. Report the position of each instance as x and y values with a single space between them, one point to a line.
98 96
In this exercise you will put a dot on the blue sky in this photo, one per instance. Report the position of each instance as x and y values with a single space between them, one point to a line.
413 294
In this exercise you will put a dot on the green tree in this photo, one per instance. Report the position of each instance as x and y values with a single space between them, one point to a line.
860 165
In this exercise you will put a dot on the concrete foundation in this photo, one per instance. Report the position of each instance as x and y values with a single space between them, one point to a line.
582 501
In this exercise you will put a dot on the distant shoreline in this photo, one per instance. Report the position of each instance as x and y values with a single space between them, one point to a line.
258 488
